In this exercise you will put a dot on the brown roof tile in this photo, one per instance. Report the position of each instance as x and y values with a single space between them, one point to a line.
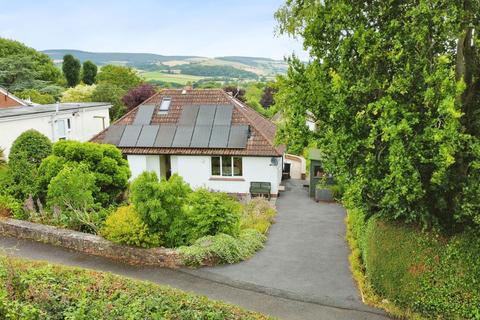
261 142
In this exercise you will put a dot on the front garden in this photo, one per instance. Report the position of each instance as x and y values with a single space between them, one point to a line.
84 187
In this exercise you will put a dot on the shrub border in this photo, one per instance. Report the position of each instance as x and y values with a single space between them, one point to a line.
90 244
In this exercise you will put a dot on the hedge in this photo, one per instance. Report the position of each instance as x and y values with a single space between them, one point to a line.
424 273
37 290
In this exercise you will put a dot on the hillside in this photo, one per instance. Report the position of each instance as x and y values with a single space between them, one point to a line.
155 66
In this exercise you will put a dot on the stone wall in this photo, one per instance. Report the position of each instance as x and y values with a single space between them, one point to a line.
89 243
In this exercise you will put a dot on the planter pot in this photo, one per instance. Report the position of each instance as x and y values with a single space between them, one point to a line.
324 195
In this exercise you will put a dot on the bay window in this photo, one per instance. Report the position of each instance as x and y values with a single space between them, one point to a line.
227 166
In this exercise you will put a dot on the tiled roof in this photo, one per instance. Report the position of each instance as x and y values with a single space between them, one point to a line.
260 143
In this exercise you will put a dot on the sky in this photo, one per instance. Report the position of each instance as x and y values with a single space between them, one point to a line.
177 27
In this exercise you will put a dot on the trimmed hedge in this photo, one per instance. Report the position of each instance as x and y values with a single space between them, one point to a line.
37 290
426 273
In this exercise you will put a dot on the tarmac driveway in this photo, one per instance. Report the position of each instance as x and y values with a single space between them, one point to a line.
305 257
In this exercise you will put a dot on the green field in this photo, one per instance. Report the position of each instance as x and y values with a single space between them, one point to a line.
170 77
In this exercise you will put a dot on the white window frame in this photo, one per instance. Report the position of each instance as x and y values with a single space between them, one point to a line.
164 105
221 166
65 128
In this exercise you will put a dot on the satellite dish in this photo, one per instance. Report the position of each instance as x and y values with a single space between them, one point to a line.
273 161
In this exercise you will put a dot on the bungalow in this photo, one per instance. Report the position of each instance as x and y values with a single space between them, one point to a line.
208 137
75 121
8 100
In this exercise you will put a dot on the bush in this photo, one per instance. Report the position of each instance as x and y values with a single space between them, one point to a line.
159 203
104 161
210 213
48 169
26 154
223 248
258 214
423 272
79 93
9 206
37 290
125 226
36 96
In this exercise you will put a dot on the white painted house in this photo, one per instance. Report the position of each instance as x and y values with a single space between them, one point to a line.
71 121
206 136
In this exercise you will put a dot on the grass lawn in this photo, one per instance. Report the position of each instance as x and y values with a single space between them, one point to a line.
169 77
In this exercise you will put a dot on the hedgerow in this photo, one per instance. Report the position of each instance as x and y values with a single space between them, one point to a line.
37 290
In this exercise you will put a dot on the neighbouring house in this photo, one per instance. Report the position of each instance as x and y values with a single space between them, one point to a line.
72 121
295 166
206 136
8 100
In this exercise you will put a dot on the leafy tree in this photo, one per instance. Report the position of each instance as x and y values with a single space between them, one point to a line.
26 155
35 96
236 92
79 93
3 161
22 67
393 87
104 161
124 78
137 95
105 92
71 70
89 72
267 97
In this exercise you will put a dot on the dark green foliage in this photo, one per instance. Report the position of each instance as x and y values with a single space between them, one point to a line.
215 71
89 72
26 155
48 169
22 67
106 163
159 204
425 272
210 213
71 70
105 92
393 89
36 290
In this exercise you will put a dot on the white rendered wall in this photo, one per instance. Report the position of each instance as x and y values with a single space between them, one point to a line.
84 125
142 163
196 170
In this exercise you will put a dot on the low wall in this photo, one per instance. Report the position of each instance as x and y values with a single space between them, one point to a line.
89 243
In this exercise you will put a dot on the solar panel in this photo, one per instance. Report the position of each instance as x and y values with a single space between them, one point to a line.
165 135
144 114
238 136
130 136
188 116
223 116
219 137
147 136
114 134
201 136
183 136
206 113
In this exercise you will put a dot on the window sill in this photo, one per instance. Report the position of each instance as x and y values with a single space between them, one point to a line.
226 179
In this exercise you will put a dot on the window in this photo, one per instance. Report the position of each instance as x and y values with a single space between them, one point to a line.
165 105
227 166
69 126
61 130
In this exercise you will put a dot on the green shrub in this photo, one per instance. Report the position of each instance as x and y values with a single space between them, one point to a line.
26 154
104 161
210 213
258 214
5 181
48 169
159 203
9 206
37 290
423 272
223 248
125 226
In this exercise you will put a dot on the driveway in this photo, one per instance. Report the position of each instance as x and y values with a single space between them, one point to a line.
305 257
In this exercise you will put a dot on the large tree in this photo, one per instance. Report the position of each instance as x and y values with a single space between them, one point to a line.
393 87
89 72
71 70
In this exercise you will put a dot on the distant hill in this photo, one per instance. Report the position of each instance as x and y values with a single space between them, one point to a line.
232 67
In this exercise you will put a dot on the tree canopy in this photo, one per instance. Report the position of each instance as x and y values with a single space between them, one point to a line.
89 72
71 70
393 88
